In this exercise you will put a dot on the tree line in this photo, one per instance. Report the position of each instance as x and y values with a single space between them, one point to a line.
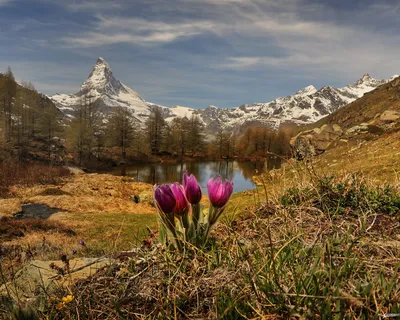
26 118
31 124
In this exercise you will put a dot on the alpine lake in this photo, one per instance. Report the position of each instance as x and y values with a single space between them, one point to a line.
240 172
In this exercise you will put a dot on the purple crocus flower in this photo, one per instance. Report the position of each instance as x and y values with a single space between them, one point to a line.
219 192
192 188
164 198
181 204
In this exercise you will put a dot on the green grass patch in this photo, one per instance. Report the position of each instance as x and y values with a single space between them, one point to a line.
113 232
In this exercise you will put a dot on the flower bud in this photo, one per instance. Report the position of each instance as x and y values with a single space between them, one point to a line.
219 192
192 188
181 204
164 198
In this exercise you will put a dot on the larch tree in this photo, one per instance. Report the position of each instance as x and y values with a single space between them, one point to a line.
85 131
155 128
9 94
121 129
196 135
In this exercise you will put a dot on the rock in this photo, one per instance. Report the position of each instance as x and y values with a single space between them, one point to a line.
360 128
314 142
395 82
390 116
38 275
135 198
75 170
144 197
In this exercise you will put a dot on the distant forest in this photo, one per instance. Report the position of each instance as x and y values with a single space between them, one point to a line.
31 127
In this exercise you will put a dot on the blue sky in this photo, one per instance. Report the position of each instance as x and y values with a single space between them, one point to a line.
201 52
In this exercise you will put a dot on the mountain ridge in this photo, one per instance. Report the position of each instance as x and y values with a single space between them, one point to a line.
307 105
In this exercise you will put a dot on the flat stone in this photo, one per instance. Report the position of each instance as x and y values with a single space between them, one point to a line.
75 170
38 275
390 116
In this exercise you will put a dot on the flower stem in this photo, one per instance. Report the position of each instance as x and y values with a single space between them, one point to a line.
196 215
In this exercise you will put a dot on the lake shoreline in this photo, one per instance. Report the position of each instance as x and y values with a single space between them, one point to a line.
240 172
107 164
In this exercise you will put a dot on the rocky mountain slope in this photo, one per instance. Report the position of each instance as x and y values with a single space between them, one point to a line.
371 106
373 116
306 106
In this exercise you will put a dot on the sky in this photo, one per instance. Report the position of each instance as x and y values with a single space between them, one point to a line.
201 52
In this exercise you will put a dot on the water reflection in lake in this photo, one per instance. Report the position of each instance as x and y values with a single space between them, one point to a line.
240 172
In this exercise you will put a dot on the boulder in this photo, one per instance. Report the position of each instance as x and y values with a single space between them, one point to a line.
74 170
314 142
39 275
389 116
357 129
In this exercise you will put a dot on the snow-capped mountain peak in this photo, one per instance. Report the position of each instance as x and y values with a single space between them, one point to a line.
307 90
102 87
367 81
101 79
366 78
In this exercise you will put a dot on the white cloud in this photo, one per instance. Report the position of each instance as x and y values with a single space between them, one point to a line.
314 46
225 18
90 5
97 39
241 62
113 30
264 33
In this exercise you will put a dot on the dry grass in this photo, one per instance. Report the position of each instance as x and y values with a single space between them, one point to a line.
90 193
10 228
378 161
9 207
13 173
